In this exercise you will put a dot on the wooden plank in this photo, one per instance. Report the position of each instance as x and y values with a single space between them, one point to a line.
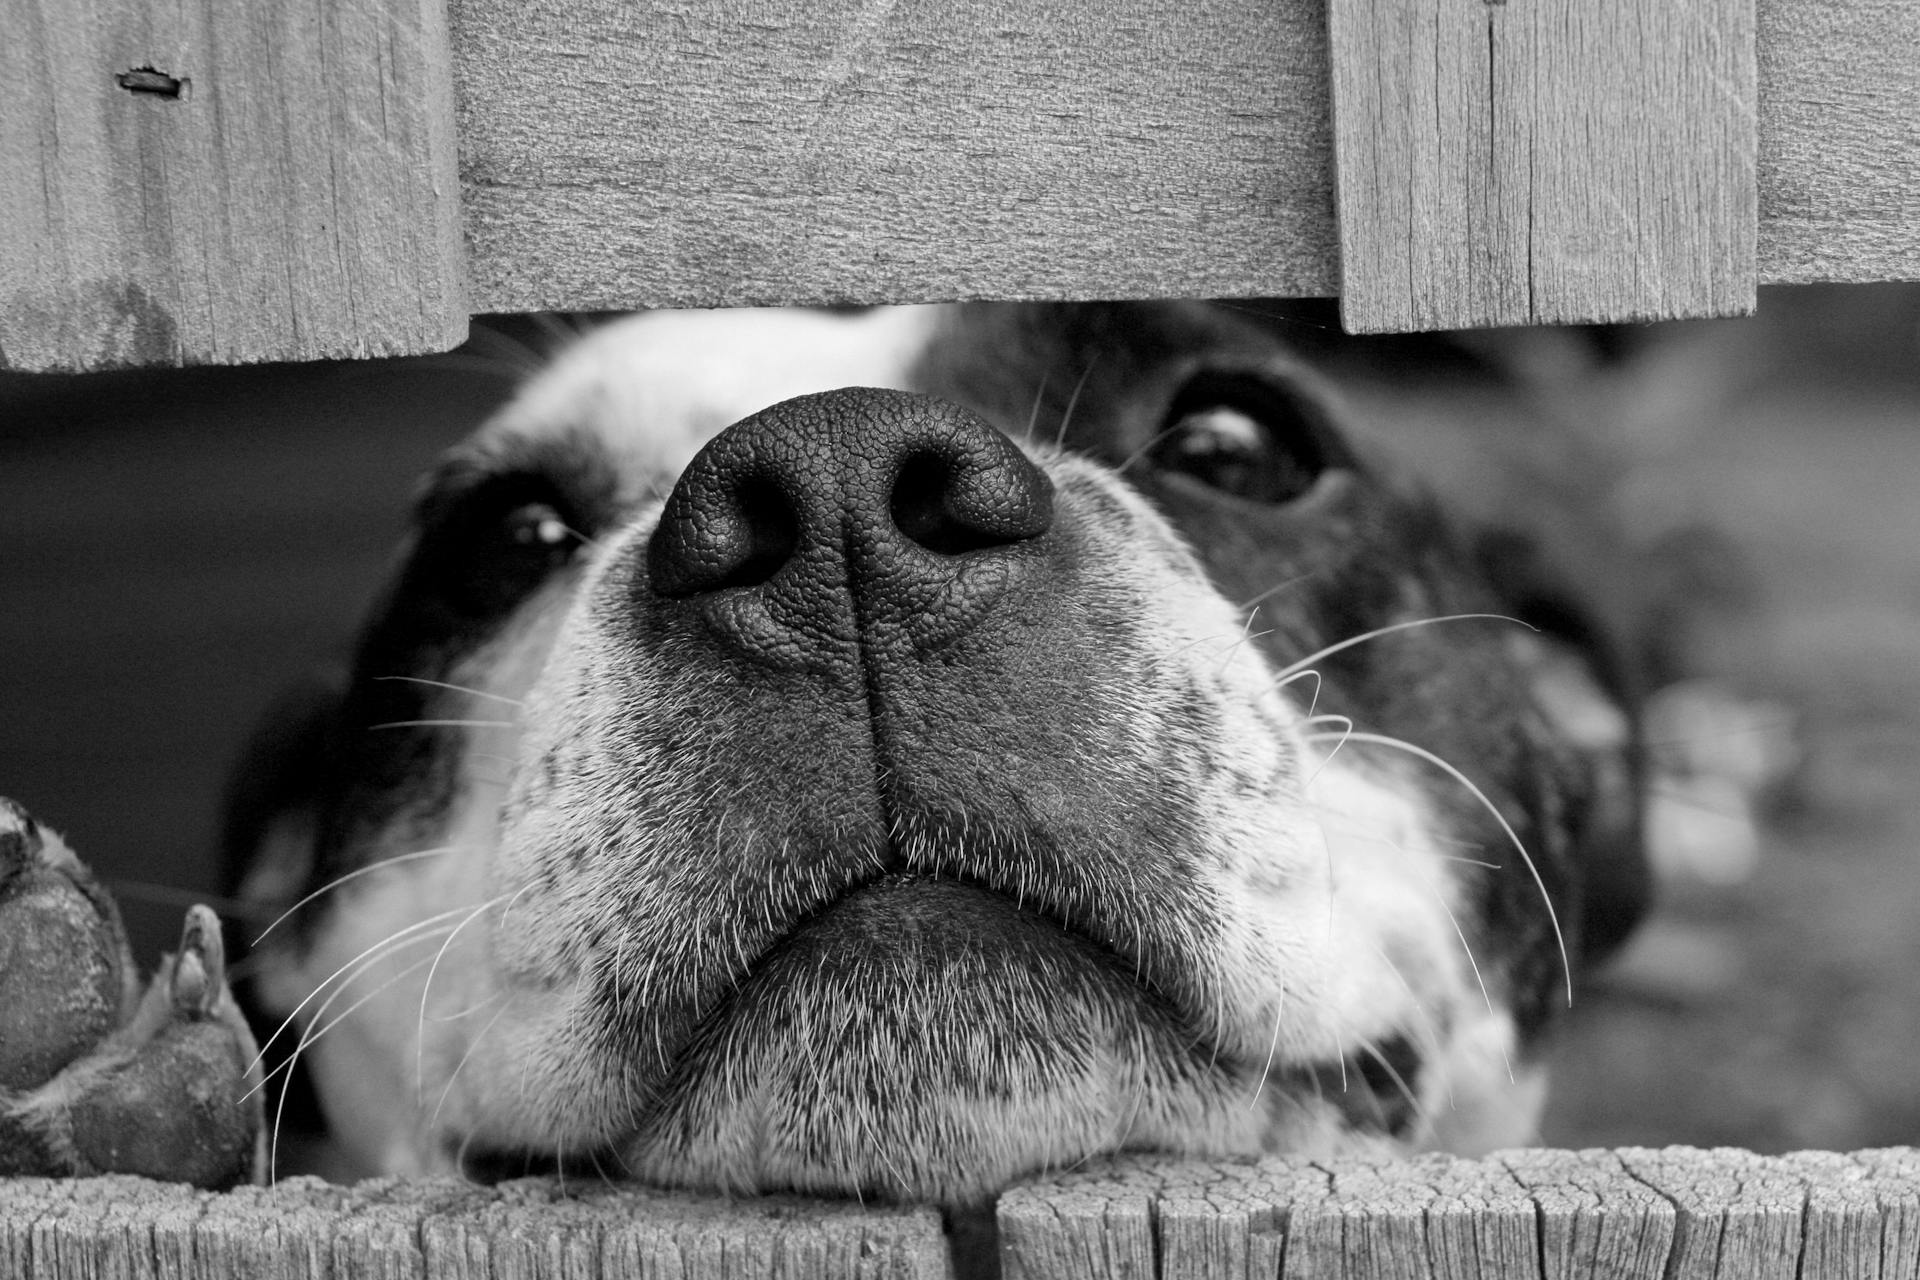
1839 141
1678 1213
1596 1219
669 153
1737 1214
297 194
303 1229
673 152
225 181
1541 161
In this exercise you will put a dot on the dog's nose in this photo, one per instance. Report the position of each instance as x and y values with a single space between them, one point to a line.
826 514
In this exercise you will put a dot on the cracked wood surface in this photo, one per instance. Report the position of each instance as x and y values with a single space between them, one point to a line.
1543 161
303 1229
1676 1213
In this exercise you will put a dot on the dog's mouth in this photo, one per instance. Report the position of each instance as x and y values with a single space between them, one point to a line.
926 1037
892 953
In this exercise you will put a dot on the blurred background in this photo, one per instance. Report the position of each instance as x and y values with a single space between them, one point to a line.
176 546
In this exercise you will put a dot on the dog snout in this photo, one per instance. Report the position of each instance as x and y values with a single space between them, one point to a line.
823 518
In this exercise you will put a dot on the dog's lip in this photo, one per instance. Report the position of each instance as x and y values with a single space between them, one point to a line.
1072 936
897 879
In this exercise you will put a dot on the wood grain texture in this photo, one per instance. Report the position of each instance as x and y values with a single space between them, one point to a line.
1678 1213
677 152
224 181
1542 161
299 196
670 153
303 1229
1839 140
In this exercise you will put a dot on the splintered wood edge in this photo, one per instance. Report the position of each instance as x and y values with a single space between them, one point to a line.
1676 1212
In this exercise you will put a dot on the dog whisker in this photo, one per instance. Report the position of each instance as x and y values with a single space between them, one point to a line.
1272 591
1414 1104
1459 932
1145 449
1346 731
1318 685
1273 1048
426 990
434 1119
335 883
420 930
1073 401
1546 899
1195 643
1033 414
308 1038
1246 633
455 688
444 724
1377 632
340 989
1432 1028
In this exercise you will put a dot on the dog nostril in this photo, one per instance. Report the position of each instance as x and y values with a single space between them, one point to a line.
740 537
922 507
769 535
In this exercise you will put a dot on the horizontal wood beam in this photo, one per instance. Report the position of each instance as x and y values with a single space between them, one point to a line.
619 154
1678 1213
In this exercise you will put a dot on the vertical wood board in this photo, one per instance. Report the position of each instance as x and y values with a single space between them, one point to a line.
226 181
1543 161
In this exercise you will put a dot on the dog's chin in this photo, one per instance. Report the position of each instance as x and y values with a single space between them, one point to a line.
928 1040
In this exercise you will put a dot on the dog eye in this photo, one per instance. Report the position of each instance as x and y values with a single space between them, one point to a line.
492 554
1242 435
538 529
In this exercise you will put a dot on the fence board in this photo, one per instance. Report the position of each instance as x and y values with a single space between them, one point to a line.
620 154
280 181
226 181
303 1229
1678 1213
1542 161
1839 169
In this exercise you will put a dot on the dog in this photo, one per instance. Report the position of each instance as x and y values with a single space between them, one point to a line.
891 752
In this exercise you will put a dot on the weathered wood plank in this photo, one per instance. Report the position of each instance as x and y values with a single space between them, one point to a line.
1595 1218
668 153
1736 1214
224 181
619 154
441 1230
1539 161
1839 169
1677 1213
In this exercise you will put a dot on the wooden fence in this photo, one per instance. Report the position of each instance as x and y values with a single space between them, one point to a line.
1676 1214
222 180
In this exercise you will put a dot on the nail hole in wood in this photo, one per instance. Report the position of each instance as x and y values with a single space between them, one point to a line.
154 84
